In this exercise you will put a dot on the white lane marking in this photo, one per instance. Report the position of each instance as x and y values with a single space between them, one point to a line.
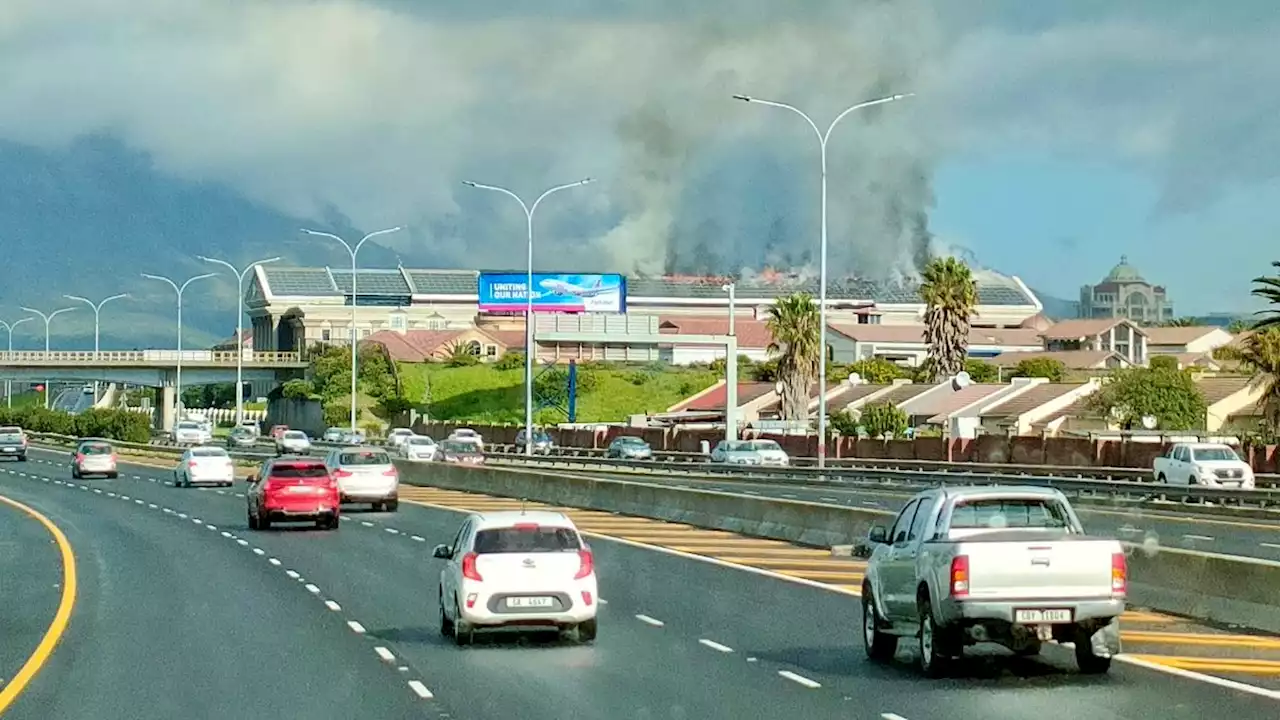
420 689
602 601
750 492
650 621
137 477
109 494
222 492
891 716
799 679
393 531
137 502
828 499
153 506
243 542
355 626
385 654
124 497
96 490
789 496
1188 674
197 521
1273 546
366 523
211 527
273 561
292 573
169 510
313 589
239 494
226 534
1205 538
333 606
259 551
715 645
182 515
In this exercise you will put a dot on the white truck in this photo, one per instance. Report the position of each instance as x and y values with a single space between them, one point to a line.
1203 464
1004 565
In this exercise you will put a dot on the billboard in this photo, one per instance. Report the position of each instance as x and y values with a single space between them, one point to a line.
553 292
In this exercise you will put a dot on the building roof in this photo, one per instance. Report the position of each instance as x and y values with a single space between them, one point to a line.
1071 359
948 400
1124 273
903 393
914 334
1079 409
1031 399
1078 329
993 289
714 399
1220 387
848 394
752 334
1179 335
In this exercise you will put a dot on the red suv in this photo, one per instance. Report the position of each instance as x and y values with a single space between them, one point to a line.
292 489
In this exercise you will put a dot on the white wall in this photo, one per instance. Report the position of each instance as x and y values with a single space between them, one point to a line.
689 354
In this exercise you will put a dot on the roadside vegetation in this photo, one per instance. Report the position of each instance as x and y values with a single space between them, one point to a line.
107 424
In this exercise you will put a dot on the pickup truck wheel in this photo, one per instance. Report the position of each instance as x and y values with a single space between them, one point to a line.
880 646
1089 663
933 642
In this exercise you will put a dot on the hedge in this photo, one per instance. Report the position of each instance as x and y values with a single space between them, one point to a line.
120 425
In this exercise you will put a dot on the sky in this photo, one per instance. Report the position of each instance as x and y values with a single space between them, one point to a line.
1046 138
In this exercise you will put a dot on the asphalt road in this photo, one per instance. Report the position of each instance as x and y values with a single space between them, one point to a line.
679 638
30 587
1249 538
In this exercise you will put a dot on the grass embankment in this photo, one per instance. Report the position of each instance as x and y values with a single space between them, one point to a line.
484 394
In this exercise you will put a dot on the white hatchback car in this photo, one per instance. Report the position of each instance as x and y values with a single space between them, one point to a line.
365 475
519 570
419 448
295 442
204 465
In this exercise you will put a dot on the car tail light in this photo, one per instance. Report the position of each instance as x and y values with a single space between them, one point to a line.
391 473
960 576
471 600
79 457
191 464
469 570
1119 573
586 564
342 473
113 458
525 527
586 597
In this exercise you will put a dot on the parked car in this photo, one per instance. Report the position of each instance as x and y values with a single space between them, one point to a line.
293 442
1203 464
629 447
1005 565
292 489
542 443
242 437
461 451
13 443
93 457
204 465
365 474
419 448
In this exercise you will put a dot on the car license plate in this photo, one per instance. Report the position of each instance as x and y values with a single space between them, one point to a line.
301 489
1029 616
530 602
11 449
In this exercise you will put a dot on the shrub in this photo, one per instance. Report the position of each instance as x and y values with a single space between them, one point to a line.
510 360
120 425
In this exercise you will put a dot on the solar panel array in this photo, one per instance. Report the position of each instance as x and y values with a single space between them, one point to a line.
373 282
300 282
445 282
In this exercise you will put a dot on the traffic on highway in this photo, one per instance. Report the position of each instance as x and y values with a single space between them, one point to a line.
386 618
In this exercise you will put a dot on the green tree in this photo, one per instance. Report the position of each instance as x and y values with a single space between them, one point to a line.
1040 367
950 295
1259 355
331 371
1237 326
982 371
884 420
1163 362
844 422
794 324
877 371
1170 396
766 371
510 360
461 355
1267 289
298 390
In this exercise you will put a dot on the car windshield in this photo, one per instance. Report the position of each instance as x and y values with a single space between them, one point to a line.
298 471
629 441
464 433
1215 453
209 452
420 441
9 430
1002 513
95 449
767 445
188 425
241 432
531 539
738 447
371 457
459 447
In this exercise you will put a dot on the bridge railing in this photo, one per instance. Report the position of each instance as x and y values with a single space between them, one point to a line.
143 357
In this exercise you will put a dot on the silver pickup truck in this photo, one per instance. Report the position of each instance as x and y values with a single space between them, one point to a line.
1004 565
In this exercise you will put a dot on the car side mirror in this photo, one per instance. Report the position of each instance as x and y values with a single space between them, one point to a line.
444 552
879 535
251 479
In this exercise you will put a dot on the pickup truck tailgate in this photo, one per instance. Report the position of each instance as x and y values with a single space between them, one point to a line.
1003 566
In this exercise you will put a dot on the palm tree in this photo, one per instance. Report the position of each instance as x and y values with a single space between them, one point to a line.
794 324
1259 354
1268 289
950 294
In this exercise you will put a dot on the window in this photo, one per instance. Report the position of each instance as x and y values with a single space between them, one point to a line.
473 347
527 539
95 449
299 471
365 458
1214 453
208 452
364 333
899 532
918 523
399 321
491 351
1001 513
326 335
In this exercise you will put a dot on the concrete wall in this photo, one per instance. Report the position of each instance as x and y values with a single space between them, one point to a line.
305 415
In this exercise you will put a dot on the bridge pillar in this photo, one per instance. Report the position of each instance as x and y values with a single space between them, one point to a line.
167 396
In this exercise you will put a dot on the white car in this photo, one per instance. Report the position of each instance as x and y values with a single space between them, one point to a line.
294 442
419 448
517 569
1204 464
467 435
397 437
365 474
204 465
190 432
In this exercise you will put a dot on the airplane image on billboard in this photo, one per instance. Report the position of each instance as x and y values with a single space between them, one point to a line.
553 292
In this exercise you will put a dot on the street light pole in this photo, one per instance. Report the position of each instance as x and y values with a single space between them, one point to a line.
354 349
8 384
179 289
823 138
528 296
240 275
97 317
47 319
731 370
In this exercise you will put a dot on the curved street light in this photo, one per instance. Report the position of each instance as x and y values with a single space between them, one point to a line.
179 289
47 319
97 318
240 276
8 384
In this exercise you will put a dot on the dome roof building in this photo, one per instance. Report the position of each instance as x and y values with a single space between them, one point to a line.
1123 293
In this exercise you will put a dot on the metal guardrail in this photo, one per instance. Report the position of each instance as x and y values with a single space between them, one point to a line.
933 466
219 358
906 480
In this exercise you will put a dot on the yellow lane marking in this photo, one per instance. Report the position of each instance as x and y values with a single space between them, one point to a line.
1253 641
61 618
797 563
1204 664
1148 617
824 574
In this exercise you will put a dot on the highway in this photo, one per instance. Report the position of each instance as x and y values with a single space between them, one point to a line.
1175 528
182 612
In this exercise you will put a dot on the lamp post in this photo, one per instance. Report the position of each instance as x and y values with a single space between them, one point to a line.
179 289
353 250
731 370
240 275
528 296
47 319
8 384
97 317
823 138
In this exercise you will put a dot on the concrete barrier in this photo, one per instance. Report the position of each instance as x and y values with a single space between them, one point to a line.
1221 588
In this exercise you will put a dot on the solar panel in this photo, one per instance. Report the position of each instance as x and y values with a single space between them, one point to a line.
301 282
441 282
372 282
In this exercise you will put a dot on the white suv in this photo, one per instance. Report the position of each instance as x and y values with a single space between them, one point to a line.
517 569
365 474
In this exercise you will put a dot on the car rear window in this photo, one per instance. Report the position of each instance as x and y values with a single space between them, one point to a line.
95 449
10 437
186 425
420 441
10 429
453 446
372 457
527 540
1001 513
209 452
299 471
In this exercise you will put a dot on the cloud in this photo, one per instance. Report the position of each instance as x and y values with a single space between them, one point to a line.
375 111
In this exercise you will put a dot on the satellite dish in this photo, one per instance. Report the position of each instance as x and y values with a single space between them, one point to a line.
1149 422
961 380
854 379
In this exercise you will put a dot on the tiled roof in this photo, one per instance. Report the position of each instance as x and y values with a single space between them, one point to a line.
715 399
1072 359
947 400
300 282
751 334
414 345
903 393
1178 335
373 282
911 334
1031 399
1219 388
1079 409
852 393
